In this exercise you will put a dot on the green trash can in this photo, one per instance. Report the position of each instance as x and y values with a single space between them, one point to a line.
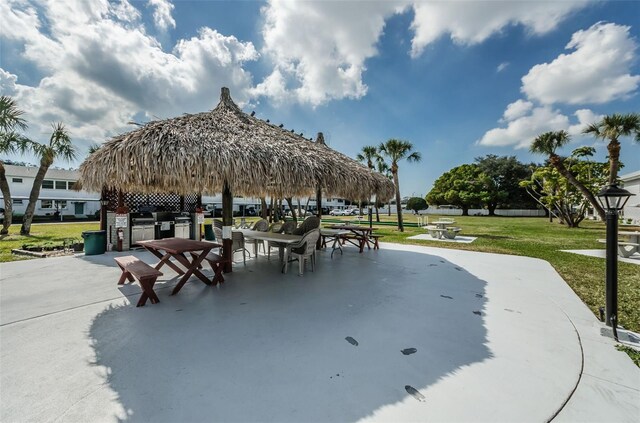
208 232
94 242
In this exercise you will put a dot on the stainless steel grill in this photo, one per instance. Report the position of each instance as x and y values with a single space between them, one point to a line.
182 227
142 227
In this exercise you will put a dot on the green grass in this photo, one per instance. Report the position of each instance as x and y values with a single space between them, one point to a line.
532 237
53 233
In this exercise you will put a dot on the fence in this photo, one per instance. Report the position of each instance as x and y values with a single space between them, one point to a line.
474 212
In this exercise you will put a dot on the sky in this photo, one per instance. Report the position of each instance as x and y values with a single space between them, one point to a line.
458 79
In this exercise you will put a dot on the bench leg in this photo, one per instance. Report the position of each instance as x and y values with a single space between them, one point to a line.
147 291
125 275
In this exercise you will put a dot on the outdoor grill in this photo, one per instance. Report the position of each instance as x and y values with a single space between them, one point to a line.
182 226
142 227
164 225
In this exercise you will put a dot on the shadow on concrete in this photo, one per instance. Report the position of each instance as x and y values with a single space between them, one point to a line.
271 347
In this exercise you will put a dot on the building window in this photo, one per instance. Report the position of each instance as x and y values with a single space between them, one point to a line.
61 204
47 184
15 202
16 180
46 204
71 184
61 184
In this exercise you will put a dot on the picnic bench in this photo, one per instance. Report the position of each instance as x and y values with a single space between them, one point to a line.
146 275
625 249
217 262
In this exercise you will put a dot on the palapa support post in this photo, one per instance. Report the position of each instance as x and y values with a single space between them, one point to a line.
319 140
182 203
227 221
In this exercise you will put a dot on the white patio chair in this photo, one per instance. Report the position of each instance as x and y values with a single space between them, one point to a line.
237 243
303 250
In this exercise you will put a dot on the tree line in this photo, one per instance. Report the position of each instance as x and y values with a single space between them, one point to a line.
565 186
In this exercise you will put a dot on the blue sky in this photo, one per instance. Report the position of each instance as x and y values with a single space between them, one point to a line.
458 79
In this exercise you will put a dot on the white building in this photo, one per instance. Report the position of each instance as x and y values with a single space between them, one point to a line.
56 194
631 182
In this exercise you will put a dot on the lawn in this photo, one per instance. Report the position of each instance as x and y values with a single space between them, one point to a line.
532 237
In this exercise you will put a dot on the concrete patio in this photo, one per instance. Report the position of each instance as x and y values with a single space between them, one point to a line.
497 338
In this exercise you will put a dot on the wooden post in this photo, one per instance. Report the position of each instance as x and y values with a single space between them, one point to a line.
319 207
103 210
227 221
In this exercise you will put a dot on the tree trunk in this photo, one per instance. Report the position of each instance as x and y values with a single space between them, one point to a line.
556 161
614 159
398 205
263 208
33 197
8 202
465 211
227 220
492 209
389 209
377 213
293 210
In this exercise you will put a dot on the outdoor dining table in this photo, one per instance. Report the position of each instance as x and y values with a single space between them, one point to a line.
634 238
334 234
282 239
358 232
168 248
442 224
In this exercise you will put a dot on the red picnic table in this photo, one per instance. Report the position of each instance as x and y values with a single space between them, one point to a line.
168 248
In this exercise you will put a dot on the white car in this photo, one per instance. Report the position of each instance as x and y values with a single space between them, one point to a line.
336 212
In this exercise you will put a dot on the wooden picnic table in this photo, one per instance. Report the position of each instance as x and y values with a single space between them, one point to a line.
335 235
358 233
168 248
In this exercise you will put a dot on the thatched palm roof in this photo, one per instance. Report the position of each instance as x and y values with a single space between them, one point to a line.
197 153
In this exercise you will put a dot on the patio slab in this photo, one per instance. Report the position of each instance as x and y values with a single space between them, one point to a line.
497 338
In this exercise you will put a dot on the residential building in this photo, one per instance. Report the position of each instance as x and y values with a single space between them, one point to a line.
631 182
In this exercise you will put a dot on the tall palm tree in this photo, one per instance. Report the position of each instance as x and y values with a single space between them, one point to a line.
383 168
10 142
369 155
395 151
611 128
547 144
59 147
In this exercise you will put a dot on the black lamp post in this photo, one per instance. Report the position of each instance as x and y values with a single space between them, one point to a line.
612 198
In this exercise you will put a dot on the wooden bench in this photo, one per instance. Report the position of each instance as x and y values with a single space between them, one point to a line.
133 267
375 238
217 262
623 251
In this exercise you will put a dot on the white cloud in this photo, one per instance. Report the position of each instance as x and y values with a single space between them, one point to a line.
517 109
585 117
101 68
319 48
502 66
472 22
162 14
597 71
520 131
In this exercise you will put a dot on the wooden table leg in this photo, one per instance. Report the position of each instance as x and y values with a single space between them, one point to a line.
193 268
164 259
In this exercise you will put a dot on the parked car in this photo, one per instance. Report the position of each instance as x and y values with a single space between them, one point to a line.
336 212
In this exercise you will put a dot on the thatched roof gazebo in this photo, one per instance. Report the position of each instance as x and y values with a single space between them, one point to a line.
226 150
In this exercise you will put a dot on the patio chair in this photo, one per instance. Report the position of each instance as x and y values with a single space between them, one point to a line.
217 223
303 250
311 222
261 225
237 243
287 228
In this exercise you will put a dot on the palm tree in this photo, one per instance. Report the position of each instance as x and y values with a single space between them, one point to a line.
383 168
547 144
10 142
611 128
369 155
59 147
397 150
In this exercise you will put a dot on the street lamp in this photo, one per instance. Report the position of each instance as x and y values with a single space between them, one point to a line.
612 198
